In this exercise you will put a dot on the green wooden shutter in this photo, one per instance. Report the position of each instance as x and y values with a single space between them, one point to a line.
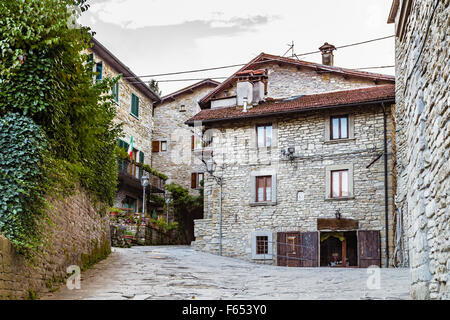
115 92
141 160
99 69
135 105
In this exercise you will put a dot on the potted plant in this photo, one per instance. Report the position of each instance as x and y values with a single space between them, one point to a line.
128 235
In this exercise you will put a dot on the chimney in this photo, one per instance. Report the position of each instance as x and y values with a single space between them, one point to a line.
244 91
250 87
327 54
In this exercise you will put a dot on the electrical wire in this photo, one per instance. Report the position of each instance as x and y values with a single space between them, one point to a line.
219 78
243 64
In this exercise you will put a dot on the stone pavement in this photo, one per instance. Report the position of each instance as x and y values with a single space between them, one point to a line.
179 272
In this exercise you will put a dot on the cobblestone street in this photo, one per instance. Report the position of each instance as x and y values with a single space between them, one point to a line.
177 272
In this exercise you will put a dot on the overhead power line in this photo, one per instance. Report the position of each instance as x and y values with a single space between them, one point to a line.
243 64
218 78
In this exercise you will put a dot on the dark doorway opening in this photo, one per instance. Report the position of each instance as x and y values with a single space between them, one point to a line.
338 249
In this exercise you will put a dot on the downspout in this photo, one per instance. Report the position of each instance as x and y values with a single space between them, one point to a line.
386 196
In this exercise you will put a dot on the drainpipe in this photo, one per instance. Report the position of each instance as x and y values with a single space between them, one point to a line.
386 196
220 216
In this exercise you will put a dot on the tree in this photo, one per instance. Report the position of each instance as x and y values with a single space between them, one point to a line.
46 76
154 86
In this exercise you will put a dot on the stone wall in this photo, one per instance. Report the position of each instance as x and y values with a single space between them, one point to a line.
80 236
423 146
179 161
286 81
139 128
235 147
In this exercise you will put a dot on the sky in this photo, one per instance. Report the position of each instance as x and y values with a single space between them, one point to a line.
162 36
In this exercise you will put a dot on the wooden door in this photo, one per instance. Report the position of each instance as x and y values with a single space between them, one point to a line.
309 249
369 248
296 249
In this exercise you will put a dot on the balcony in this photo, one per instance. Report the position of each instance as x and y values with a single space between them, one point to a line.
130 174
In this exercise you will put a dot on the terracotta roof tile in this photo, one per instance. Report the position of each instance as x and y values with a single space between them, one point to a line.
301 103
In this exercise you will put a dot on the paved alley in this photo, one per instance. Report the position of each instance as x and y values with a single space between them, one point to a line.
179 272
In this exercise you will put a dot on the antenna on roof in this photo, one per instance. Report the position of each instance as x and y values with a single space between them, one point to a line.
291 48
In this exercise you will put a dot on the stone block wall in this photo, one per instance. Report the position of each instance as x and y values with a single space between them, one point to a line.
287 81
423 146
80 236
307 174
179 161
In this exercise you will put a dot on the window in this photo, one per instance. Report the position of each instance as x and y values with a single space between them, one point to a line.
163 146
192 142
264 135
262 245
135 105
182 108
196 180
129 203
99 70
339 184
115 92
264 189
339 127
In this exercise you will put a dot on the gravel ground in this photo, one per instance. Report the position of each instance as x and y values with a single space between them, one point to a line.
179 272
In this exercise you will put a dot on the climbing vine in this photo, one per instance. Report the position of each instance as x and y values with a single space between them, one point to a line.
57 123
184 205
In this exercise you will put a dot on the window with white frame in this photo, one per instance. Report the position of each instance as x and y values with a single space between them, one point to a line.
264 135
339 181
339 127
261 245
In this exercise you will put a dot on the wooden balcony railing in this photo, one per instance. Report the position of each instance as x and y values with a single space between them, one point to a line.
132 173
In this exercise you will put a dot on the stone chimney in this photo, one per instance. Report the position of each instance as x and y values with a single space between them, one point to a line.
250 87
327 54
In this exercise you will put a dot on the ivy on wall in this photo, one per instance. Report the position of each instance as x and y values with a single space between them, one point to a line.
22 144
66 118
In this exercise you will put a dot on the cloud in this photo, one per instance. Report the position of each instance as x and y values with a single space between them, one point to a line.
134 14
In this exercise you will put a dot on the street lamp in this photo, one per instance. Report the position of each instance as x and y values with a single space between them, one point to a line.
144 183
210 168
167 198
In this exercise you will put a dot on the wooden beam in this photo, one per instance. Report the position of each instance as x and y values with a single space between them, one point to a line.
344 253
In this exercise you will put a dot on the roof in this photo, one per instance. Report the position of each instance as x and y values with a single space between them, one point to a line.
189 89
120 67
375 94
264 57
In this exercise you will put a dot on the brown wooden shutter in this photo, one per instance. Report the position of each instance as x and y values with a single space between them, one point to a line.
369 248
192 142
155 146
308 246
194 180
281 249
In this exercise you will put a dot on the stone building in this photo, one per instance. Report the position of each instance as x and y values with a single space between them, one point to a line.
135 104
302 152
174 142
422 119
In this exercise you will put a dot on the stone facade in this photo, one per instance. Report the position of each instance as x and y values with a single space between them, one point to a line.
306 175
423 142
80 236
140 128
300 186
179 161
287 81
